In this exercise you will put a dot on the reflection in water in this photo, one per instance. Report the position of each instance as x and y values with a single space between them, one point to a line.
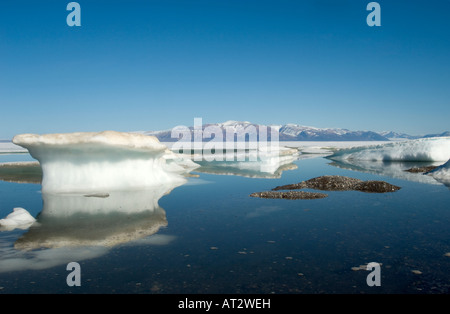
394 169
253 164
244 169
77 227
80 220
13 260
21 172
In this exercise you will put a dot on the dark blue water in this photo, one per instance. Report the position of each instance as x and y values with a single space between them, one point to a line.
217 239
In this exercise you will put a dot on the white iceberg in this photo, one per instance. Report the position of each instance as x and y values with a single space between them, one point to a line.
442 173
426 149
104 161
265 162
20 218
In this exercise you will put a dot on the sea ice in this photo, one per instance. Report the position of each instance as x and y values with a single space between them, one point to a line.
7 147
395 169
266 162
442 173
104 161
19 218
426 149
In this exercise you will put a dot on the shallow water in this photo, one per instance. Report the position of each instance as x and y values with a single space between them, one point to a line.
209 236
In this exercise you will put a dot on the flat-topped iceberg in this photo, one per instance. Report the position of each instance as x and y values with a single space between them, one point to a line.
103 161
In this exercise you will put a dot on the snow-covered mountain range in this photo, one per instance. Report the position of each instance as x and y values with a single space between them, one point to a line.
290 132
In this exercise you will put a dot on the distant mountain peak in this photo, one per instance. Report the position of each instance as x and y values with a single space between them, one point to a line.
296 132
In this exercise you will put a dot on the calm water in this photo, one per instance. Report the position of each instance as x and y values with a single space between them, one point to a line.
209 236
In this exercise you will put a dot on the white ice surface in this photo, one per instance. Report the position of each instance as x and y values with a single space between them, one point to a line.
429 149
9 147
20 218
265 162
104 161
442 173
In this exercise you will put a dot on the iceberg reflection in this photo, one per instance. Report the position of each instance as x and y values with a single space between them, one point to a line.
21 172
394 169
95 220
268 164
74 227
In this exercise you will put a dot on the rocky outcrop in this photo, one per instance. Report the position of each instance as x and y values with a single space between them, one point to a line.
291 195
326 183
340 183
376 187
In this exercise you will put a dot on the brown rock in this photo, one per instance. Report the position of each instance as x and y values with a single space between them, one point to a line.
340 183
376 187
290 195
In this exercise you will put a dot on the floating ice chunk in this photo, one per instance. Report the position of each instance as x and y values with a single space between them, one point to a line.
442 173
20 218
429 149
268 162
104 161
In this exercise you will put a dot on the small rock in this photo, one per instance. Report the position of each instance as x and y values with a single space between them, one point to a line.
290 195
421 169
376 187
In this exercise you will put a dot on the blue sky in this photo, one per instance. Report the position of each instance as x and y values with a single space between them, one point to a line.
151 65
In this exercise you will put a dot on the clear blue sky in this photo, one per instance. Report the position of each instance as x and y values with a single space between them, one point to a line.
151 65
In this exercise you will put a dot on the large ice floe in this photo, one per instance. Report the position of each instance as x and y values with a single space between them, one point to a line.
442 173
263 162
393 159
427 149
103 161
